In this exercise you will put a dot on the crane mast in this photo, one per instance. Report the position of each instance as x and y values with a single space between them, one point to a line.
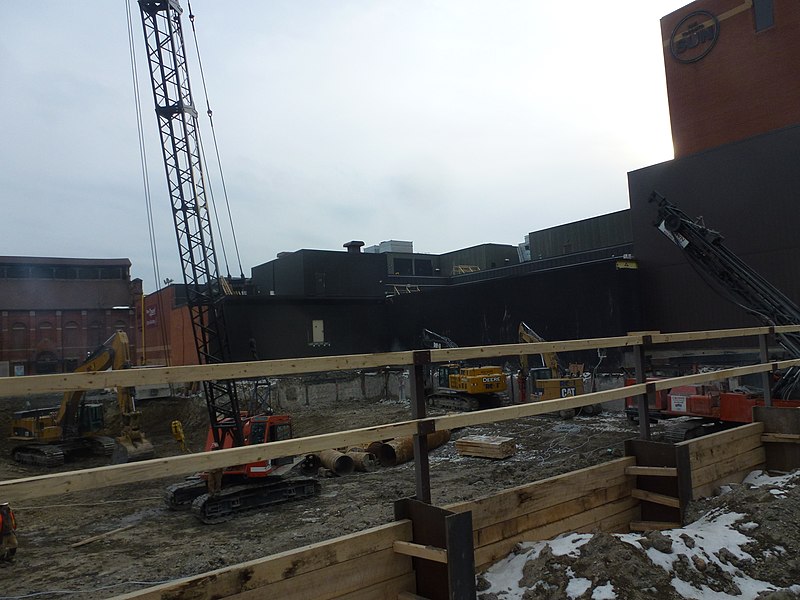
180 145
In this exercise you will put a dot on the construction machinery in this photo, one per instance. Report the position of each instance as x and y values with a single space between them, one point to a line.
457 387
716 407
46 436
220 494
550 381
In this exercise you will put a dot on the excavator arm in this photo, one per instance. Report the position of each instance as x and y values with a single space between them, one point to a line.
549 359
114 353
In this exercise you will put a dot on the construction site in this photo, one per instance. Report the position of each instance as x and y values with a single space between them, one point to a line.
379 423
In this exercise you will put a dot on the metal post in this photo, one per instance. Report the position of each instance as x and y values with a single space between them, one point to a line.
644 399
418 411
766 376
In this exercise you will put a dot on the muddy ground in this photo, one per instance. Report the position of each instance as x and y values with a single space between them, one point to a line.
163 545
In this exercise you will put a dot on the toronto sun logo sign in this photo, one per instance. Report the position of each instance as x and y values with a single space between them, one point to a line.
694 36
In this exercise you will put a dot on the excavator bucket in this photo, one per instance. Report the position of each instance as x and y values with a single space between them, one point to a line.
127 450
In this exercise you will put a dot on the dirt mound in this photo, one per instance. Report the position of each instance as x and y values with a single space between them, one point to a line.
741 544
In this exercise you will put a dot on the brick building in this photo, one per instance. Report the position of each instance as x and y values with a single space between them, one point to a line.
53 311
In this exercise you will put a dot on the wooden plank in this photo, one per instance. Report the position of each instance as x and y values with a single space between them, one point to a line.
391 589
100 536
530 409
493 533
589 519
618 523
486 446
701 458
722 438
656 498
785 438
420 551
256 573
709 489
666 384
653 526
719 470
714 334
61 483
62 382
523 499
336 580
652 471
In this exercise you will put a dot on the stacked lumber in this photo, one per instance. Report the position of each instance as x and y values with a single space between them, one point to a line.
486 446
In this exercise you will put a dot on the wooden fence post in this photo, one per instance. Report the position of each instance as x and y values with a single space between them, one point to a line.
766 376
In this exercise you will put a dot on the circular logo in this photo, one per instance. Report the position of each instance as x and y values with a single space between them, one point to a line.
694 36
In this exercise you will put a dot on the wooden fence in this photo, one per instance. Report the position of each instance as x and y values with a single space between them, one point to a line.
606 497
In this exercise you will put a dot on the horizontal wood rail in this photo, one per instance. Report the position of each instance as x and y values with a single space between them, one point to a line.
419 551
62 382
656 498
59 483
652 471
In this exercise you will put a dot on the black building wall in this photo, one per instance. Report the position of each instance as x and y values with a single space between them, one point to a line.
322 273
748 191
582 301
282 327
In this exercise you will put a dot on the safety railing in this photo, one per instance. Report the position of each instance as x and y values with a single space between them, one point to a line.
419 426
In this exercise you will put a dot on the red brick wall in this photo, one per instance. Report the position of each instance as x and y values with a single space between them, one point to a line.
746 85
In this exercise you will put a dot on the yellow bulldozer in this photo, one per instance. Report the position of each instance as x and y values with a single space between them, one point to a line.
47 436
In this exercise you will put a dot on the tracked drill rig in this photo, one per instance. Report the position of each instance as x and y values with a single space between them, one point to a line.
739 283
230 426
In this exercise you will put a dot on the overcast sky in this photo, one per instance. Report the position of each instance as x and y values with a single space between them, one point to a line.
449 123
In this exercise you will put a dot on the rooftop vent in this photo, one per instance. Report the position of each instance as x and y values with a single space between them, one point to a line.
354 247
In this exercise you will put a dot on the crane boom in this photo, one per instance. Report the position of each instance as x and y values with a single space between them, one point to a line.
180 144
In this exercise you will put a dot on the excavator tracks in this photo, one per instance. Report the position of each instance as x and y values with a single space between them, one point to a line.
224 505
39 455
54 455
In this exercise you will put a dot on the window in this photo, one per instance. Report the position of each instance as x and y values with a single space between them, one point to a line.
423 267
403 266
19 336
763 13
71 340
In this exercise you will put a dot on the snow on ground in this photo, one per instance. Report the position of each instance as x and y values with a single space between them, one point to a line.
737 550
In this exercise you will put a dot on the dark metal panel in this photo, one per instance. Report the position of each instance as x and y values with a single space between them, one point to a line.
748 192
588 234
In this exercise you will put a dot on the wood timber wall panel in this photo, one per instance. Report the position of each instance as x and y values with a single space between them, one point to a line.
355 566
596 497
725 457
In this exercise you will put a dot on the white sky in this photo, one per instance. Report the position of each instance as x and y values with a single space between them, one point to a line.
449 123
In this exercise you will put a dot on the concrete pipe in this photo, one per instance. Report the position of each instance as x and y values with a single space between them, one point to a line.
400 450
339 463
364 461
374 448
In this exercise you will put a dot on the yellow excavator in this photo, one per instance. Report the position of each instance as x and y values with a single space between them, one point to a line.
47 436
457 387
549 382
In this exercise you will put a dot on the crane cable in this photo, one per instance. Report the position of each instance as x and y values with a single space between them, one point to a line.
146 182
209 112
